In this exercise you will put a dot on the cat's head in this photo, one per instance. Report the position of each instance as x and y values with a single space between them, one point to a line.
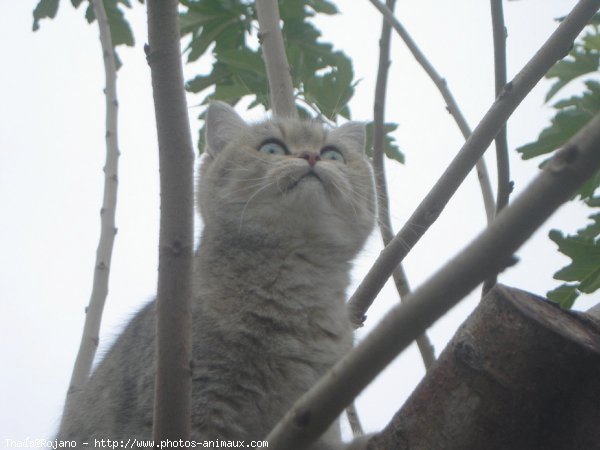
286 178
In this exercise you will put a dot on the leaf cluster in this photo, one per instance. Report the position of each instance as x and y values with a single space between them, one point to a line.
120 30
583 274
572 114
323 78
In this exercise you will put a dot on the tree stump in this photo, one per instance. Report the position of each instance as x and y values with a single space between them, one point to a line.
520 373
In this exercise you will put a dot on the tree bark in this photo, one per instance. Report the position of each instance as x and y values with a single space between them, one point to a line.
520 373
91 329
278 69
172 401
502 161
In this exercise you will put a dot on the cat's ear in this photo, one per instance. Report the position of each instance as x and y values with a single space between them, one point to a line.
222 125
354 134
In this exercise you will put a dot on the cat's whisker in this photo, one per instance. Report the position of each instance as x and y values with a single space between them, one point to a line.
346 196
237 179
248 202
247 188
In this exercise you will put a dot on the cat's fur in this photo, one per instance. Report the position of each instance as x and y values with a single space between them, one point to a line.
270 276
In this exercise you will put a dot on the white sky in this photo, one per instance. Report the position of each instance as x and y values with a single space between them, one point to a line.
52 153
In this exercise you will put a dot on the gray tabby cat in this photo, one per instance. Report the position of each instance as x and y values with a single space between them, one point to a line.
286 206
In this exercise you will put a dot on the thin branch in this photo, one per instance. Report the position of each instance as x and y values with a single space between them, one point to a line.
491 252
499 33
173 386
502 163
91 329
354 420
385 223
441 84
278 69
556 47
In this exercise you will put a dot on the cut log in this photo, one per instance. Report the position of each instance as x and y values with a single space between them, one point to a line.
520 373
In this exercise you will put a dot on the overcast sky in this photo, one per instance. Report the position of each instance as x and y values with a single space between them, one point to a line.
52 153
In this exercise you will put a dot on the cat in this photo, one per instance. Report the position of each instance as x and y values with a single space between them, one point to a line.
286 206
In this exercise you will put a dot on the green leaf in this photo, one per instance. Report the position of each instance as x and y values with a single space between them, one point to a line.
581 63
231 38
591 283
223 23
119 27
323 6
292 10
573 114
390 149
245 61
321 75
202 82
592 41
191 20
230 93
120 31
89 13
589 188
593 229
209 34
44 9
345 112
584 251
565 295
332 91
563 126
593 202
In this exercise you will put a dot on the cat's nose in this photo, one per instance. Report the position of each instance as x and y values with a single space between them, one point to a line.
311 157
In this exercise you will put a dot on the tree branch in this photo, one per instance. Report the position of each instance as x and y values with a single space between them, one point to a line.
502 163
491 252
354 420
499 33
385 223
442 85
556 47
172 400
91 329
278 69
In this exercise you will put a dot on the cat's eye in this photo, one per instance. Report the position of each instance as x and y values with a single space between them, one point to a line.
332 154
273 147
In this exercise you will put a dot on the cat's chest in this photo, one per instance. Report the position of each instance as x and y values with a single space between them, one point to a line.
268 323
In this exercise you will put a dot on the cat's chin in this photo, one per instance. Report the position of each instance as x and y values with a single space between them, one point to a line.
308 179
